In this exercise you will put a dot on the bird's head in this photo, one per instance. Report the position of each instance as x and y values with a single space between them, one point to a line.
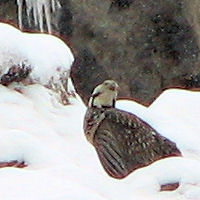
110 85
104 95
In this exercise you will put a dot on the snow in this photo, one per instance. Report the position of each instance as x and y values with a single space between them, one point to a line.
48 136
42 9
52 50
48 56
11 51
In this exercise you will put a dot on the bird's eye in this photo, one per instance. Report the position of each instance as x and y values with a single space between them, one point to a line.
106 83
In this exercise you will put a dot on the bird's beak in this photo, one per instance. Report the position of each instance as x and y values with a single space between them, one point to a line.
114 87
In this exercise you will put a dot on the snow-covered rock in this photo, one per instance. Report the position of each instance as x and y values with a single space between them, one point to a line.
33 58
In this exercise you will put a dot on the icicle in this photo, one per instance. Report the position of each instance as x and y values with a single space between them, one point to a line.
35 12
40 16
28 10
19 4
48 17
41 9
53 5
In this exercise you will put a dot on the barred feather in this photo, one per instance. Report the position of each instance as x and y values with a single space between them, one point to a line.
125 142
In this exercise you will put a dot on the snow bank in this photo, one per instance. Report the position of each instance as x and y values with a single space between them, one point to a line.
48 136
11 49
48 57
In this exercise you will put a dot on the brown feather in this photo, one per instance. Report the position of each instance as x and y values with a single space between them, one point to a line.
124 142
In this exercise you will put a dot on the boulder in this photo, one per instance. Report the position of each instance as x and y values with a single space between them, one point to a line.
146 46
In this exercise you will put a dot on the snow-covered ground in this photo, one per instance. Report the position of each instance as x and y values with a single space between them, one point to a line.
61 165
48 136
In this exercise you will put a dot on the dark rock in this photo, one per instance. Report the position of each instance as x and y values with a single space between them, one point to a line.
13 163
64 20
169 187
147 47
86 60
8 11
16 73
120 4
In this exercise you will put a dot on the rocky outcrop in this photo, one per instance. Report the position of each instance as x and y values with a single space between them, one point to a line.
8 11
145 45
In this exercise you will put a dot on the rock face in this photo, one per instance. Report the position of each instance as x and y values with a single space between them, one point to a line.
8 11
145 45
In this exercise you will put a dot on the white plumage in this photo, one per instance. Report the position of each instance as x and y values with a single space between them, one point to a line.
104 95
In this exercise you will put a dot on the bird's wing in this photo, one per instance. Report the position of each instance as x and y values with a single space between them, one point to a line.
91 100
97 91
125 143
92 120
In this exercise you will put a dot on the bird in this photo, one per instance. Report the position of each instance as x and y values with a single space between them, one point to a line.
104 95
123 141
